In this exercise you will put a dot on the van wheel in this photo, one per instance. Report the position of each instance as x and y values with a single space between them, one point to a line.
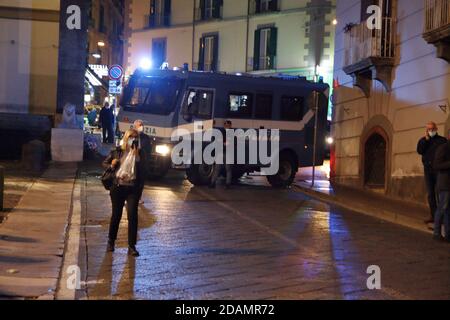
286 174
200 175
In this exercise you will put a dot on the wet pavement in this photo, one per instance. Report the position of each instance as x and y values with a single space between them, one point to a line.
251 242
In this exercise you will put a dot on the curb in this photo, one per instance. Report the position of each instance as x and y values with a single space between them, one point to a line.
71 250
384 215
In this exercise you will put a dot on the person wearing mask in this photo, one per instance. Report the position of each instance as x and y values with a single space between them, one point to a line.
427 147
146 146
218 167
106 122
442 166
128 165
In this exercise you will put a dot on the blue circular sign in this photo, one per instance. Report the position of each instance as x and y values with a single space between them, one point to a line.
116 72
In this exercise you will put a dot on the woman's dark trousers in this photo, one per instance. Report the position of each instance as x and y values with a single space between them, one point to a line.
120 195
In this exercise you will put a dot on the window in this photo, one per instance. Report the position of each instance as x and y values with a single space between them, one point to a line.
160 13
154 96
210 9
159 51
263 106
292 108
199 103
240 105
265 48
209 52
265 5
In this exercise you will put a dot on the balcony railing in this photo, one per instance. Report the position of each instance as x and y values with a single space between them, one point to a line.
437 14
362 42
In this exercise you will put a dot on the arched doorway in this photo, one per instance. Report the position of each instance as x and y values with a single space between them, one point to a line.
375 160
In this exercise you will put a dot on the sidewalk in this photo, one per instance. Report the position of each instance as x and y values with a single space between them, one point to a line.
404 213
32 238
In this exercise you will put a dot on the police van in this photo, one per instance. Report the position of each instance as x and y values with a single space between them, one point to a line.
168 100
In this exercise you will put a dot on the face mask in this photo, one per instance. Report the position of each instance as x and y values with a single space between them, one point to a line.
432 133
130 142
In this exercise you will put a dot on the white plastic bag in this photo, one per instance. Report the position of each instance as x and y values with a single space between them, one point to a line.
127 171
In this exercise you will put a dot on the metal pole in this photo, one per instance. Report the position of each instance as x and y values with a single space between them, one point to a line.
316 120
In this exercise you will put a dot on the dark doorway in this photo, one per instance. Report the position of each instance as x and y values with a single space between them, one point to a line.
375 161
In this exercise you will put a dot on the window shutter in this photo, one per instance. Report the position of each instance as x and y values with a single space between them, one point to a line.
258 6
273 41
215 65
167 12
217 6
201 56
152 21
256 54
202 9
273 5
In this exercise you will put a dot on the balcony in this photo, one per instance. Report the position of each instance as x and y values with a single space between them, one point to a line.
437 26
369 54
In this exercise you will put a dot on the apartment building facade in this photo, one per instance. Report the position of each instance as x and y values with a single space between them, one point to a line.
234 36
389 83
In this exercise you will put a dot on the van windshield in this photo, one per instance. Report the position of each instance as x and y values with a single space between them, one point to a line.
154 96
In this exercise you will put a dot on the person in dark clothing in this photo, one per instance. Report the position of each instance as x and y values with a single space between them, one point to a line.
218 167
427 147
126 188
106 122
442 165
145 145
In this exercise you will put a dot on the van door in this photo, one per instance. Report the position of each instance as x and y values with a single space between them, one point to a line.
197 109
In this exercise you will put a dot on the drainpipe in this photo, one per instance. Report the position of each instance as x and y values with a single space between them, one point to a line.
193 35
248 34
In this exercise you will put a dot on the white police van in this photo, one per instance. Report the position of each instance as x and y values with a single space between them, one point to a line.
169 100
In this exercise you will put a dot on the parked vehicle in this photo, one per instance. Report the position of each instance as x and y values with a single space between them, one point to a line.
167 100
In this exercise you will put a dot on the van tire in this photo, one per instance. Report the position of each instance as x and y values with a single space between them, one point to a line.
287 172
200 175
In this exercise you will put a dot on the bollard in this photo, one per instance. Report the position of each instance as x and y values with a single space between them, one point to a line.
2 186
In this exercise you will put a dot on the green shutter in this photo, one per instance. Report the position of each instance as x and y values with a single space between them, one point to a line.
273 42
201 56
202 9
215 66
256 51
167 12
273 5
152 21
258 6
217 6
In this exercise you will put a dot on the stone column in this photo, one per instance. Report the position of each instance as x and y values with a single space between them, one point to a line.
73 51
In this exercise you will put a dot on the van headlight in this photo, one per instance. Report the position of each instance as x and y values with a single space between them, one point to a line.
163 150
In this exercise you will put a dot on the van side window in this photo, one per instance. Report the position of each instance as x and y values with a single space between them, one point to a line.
263 106
292 108
240 105
199 103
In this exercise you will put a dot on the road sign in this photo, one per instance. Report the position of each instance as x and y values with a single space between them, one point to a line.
115 87
116 72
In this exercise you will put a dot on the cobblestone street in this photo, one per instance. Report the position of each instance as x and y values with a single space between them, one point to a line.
252 242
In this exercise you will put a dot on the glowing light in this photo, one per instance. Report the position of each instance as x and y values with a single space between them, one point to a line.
97 55
335 22
146 64
330 140
163 150
101 44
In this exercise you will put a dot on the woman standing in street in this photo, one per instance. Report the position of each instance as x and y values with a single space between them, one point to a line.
128 163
